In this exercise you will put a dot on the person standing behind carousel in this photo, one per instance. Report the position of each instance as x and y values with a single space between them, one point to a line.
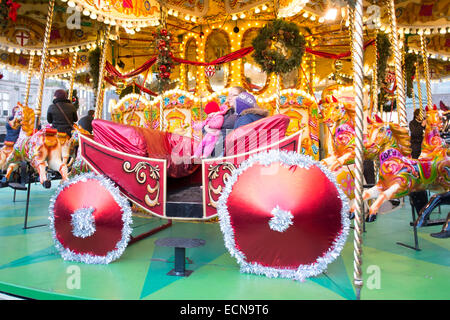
12 134
62 114
417 128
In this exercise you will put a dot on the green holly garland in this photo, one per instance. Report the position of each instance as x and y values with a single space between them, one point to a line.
410 68
94 64
165 62
4 11
284 35
384 52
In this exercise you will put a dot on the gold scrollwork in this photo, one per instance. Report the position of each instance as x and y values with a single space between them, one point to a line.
213 174
141 178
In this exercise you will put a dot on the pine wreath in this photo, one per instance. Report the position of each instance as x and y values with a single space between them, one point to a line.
279 47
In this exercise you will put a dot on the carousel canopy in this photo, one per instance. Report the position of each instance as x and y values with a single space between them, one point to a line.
77 27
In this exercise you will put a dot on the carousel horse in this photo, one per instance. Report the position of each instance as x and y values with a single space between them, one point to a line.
5 152
433 145
399 174
43 149
76 164
8 146
339 118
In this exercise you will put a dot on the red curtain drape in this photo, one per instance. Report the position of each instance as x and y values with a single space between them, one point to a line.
145 90
114 72
336 56
225 59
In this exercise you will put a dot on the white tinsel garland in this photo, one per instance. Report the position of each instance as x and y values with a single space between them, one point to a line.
303 271
83 222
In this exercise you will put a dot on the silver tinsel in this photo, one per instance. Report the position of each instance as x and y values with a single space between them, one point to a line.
83 222
303 271
67 253
281 220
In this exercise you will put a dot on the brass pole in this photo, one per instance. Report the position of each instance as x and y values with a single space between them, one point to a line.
73 74
400 92
161 113
419 89
278 93
100 91
375 78
29 76
48 29
426 68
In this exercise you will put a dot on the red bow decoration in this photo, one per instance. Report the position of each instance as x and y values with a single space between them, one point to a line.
127 4
13 7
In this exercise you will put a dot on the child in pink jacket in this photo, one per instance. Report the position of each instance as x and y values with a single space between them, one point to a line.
212 126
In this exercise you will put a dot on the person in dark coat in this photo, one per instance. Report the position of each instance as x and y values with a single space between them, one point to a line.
416 129
229 119
86 121
12 134
55 116
247 110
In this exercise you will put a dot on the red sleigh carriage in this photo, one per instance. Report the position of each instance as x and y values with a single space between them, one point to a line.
282 214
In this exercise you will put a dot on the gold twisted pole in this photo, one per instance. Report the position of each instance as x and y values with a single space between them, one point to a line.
414 99
375 78
100 91
358 84
161 113
426 68
29 76
400 92
419 89
278 100
48 29
73 74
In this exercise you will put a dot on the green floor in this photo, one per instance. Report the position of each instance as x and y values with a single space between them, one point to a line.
31 267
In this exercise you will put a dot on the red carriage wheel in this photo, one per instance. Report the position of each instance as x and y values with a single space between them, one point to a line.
282 214
90 220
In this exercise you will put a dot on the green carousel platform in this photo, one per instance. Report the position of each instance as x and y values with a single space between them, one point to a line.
31 267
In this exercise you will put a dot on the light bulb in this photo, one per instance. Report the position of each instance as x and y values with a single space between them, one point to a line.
331 14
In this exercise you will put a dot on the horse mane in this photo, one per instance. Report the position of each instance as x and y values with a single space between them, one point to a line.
350 109
401 136
28 119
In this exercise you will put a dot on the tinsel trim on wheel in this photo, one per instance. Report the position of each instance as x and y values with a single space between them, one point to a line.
282 219
73 220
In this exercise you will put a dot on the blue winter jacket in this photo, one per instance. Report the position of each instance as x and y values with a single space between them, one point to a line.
250 115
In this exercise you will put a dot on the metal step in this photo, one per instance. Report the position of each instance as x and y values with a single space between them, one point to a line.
184 210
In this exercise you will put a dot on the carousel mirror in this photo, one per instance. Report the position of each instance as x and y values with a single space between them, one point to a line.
217 45
191 70
254 79
290 80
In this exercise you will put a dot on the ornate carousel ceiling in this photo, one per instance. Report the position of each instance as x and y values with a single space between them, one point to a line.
77 25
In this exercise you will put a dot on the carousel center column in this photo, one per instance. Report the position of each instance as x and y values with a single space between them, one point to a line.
100 90
48 29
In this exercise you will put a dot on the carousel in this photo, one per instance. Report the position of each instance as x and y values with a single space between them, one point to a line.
316 173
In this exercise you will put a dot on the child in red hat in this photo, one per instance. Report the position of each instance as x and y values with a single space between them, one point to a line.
212 126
